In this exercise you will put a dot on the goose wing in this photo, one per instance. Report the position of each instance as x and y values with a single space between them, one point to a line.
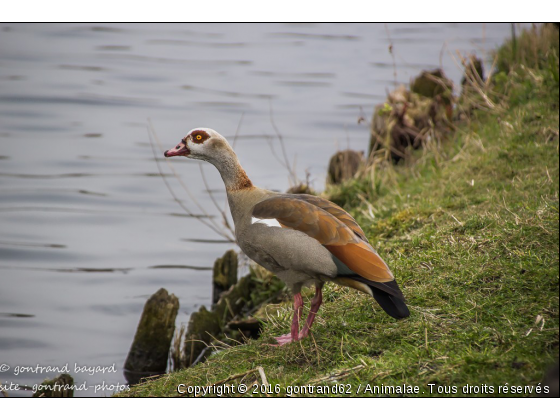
332 227
334 210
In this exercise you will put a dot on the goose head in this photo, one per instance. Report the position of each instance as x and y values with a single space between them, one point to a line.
203 144
209 145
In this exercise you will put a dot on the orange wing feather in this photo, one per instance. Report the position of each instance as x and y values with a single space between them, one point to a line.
307 218
334 210
331 226
363 260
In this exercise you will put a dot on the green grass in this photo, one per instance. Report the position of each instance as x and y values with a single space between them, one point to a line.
472 236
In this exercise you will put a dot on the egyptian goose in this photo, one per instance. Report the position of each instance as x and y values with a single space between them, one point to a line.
314 241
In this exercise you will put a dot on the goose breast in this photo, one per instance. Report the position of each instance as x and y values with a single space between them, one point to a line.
293 256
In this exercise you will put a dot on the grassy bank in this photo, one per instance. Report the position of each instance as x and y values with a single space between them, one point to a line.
471 232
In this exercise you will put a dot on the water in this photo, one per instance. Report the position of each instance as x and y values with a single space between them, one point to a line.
84 218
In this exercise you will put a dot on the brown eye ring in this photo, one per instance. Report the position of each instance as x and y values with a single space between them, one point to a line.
199 136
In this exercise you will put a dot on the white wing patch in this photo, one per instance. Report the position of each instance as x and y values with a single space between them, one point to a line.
268 222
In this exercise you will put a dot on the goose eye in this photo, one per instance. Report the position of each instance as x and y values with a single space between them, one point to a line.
199 137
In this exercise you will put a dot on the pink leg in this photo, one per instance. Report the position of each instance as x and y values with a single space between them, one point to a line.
298 312
315 304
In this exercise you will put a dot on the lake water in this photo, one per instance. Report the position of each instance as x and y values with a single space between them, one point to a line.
88 229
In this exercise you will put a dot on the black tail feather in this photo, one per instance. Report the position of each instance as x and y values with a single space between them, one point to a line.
394 306
388 295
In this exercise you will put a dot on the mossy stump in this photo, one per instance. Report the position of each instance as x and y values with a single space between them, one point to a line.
203 326
226 319
224 275
474 71
301 188
343 165
150 348
59 387
410 118
431 84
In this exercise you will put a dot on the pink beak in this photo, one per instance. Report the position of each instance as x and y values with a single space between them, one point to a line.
180 150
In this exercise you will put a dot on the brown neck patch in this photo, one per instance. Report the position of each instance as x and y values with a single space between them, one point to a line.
199 136
242 181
